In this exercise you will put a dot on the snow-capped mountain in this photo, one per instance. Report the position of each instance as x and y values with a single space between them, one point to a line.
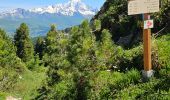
19 12
39 19
73 6
67 9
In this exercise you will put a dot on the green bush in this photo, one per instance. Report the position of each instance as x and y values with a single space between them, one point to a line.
104 84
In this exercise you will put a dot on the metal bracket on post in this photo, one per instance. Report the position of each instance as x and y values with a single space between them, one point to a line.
146 75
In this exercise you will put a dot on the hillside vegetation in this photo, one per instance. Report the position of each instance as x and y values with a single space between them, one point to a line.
86 63
126 30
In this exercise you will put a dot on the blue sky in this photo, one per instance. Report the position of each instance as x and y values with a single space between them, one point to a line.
11 4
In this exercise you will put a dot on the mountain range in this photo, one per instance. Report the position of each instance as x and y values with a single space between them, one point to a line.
39 19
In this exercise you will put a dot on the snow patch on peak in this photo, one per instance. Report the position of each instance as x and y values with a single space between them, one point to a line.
69 8
75 0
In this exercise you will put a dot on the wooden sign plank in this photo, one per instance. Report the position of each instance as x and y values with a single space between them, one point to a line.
142 6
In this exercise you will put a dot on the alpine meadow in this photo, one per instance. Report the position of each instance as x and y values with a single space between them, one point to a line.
71 51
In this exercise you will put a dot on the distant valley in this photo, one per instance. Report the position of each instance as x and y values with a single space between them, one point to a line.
39 19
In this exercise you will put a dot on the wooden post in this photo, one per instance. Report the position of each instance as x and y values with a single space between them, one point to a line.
148 72
147 46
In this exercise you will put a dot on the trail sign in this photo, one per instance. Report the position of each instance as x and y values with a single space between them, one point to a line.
145 7
148 24
142 6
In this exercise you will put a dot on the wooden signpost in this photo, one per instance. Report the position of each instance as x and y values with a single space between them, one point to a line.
145 7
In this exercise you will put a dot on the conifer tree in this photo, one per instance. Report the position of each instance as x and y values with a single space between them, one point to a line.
51 40
96 26
8 58
23 43
105 52
40 47
56 52
82 44
82 56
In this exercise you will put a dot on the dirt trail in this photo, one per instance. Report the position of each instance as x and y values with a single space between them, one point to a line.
12 98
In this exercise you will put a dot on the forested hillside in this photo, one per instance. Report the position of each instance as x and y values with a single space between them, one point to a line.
126 30
89 62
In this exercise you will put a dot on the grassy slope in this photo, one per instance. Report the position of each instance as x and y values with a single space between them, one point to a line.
158 87
129 86
26 85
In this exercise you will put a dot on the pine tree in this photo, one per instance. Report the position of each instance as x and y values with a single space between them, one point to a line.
23 43
96 25
40 47
56 59
82 56
51 40
82 44
8 58
56 53
105 52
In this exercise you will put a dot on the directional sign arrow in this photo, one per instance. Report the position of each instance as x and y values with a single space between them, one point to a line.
148 24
